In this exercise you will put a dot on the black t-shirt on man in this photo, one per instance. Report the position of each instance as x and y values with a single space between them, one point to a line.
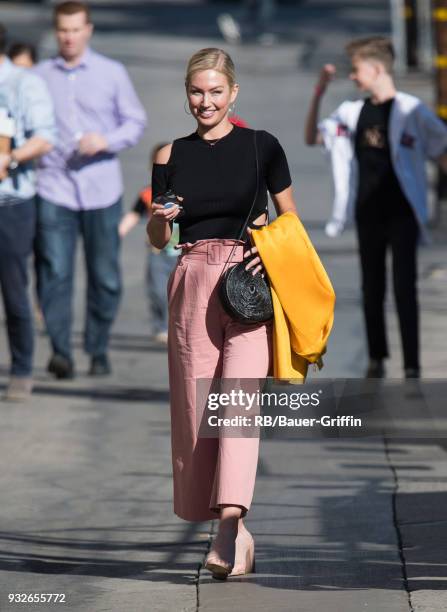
379 191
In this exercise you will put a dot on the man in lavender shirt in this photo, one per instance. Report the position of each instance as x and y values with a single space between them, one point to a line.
80 187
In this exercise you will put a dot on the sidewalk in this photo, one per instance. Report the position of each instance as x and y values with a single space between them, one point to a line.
341 525
87 508
87 502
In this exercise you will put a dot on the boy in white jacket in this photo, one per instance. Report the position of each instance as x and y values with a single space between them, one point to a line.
378 147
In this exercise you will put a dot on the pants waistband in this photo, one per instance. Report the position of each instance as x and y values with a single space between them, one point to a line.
215 251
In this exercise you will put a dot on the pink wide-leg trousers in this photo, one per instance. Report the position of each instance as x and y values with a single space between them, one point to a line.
206 343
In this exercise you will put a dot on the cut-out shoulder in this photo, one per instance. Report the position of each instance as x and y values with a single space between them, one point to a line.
163 155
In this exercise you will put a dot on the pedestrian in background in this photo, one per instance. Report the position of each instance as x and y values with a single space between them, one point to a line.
378 148
254 22
160 262
80 187
23 54
27 130
215 172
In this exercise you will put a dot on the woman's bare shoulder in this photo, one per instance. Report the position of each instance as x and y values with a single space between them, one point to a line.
163 154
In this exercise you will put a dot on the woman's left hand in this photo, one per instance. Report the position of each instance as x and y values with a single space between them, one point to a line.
255 264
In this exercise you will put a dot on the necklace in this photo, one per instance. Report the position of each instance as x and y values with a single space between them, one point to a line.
212 142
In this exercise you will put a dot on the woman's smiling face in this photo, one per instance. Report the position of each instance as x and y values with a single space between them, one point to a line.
210 96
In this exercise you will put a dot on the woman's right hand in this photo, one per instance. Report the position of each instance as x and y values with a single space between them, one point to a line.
164 215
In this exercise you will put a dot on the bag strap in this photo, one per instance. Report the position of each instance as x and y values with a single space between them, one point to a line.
244 226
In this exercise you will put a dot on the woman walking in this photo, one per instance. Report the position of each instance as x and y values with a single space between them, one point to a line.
216 171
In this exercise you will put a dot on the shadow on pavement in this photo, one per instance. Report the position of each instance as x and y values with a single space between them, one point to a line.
109 393
38 553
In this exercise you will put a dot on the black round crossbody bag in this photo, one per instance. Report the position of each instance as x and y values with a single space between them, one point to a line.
245 297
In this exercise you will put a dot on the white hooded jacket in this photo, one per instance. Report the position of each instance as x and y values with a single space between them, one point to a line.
415 134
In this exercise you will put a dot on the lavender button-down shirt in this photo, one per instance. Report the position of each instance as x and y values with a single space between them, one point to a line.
95 96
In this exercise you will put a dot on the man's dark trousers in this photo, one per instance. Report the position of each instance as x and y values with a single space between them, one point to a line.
58 228
393 227
17 228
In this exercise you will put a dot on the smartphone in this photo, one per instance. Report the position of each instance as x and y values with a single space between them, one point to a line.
169 199
172 204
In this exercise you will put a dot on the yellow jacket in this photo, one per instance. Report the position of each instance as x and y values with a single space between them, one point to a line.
303 297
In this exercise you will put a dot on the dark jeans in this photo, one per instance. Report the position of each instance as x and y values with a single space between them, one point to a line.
159 269
17 228
377 233
57 232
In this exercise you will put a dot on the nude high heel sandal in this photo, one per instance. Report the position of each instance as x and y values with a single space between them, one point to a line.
244 562
217 566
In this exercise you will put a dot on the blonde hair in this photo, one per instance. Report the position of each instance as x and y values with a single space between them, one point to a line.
377 48
211 59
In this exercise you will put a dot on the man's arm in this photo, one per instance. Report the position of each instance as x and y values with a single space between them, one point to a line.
131 116
312 135
434 135
39 123
131 121
32 148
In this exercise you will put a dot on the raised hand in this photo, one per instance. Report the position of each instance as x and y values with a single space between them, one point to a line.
327 73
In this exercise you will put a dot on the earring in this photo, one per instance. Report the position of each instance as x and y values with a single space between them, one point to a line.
186 110
231 109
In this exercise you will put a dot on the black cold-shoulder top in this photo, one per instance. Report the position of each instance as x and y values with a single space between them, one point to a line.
218 182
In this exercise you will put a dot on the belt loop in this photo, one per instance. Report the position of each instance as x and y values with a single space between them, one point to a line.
214 253
237 255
